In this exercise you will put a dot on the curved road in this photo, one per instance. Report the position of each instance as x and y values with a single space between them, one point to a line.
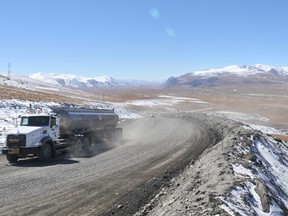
108 180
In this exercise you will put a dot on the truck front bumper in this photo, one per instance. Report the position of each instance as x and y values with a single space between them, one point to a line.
21 152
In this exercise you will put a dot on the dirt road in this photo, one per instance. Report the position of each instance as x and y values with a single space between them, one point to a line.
113 180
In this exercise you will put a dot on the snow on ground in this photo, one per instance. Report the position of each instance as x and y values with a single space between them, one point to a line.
266 174
270 172
176 100
241 117
266 95
163 100
267 130
25 82
21 81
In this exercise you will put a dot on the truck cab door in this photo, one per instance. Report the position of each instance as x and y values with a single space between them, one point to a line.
54 127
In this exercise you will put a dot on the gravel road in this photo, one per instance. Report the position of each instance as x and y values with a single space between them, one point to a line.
112 179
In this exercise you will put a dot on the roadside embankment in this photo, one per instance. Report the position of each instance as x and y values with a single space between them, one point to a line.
229 178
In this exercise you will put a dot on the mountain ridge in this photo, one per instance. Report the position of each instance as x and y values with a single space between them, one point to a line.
74 81
232 74
53 80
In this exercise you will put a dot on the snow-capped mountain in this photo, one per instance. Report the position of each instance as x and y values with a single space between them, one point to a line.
243 70
70 80
264 74
22 81
53 80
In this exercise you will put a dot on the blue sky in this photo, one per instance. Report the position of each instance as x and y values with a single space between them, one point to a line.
140 39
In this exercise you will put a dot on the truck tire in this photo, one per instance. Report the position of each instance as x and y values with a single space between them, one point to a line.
45 152
12 158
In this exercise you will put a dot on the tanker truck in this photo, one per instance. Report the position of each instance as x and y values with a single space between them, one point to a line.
46 134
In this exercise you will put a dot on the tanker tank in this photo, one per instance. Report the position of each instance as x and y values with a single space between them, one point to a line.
80 120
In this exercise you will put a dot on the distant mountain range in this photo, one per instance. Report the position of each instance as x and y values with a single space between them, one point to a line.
53 80
73 81
69 80
230 75
234 74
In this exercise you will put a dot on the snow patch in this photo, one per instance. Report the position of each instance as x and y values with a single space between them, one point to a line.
239 170
163 100
241 117
270 168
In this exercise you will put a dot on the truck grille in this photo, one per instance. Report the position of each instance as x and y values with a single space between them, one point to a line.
16 140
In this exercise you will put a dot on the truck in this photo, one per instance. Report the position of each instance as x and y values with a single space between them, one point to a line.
64 129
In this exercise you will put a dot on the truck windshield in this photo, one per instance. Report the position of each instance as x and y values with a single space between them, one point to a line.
35 121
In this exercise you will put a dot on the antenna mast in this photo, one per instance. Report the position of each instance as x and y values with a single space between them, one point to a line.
9 70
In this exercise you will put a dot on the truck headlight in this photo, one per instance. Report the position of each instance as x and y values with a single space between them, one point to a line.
36 144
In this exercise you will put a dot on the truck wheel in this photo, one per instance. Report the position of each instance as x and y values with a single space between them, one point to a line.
12 158
45 152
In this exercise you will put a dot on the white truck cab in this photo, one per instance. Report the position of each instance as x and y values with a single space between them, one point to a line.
34 131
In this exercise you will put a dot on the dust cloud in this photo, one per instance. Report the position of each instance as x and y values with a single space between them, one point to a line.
147 130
